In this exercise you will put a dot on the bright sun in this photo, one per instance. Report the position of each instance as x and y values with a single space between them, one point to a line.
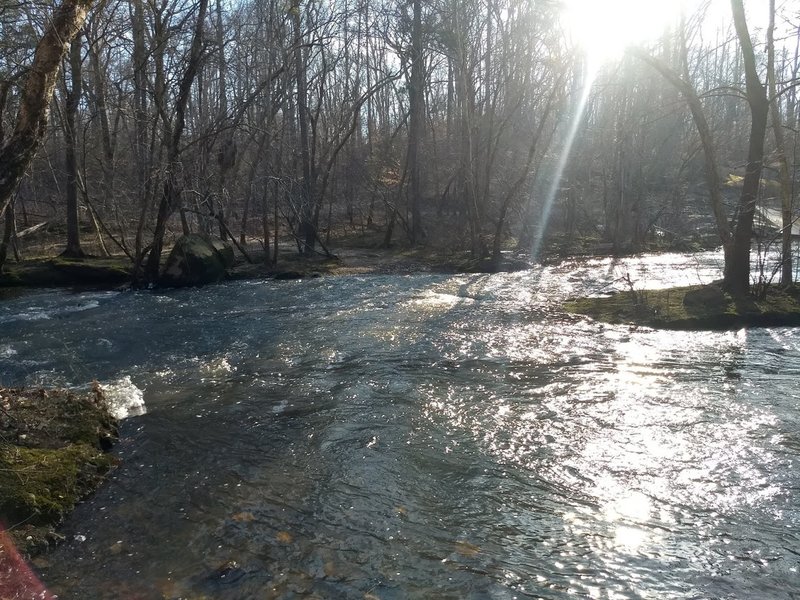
604 28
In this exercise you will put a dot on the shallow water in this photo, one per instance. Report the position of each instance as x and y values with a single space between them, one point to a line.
426 436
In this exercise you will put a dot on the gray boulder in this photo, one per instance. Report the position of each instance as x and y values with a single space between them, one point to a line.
197 259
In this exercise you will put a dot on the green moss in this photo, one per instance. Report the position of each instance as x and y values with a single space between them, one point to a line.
94 270
39 486
670 309
52 445
66 271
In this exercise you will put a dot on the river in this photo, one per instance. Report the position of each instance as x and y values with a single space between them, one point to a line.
425 436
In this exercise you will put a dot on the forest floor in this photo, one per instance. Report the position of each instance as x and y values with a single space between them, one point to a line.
352 251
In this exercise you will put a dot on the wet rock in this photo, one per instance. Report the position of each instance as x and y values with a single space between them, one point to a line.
228 572
116 548
197 259
284 537
287 275
55 418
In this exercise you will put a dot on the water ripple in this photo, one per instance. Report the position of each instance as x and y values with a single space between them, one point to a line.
427 436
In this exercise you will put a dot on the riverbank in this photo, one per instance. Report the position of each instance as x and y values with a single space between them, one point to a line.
57 272
115 272
53 453
693 308
359 253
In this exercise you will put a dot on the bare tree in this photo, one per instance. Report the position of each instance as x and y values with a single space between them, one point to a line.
737 267
17 151
416 100
781 154
173 131
736 241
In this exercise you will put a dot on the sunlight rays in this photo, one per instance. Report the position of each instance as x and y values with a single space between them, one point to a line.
602 31
555 183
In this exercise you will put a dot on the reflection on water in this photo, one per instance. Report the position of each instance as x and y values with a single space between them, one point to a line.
426 437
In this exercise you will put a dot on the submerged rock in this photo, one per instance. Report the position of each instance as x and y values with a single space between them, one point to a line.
197 259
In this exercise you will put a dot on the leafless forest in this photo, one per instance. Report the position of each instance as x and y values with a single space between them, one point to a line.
478 125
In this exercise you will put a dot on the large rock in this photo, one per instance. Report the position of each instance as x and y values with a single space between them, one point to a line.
707 297
197 259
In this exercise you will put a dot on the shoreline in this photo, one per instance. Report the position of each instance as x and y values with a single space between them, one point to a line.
114 273
664 309
349 256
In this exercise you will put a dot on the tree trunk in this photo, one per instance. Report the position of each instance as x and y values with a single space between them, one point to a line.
73 98
226 153
8 232
416 98
465 96
17 152
101 103
308 231
737 269
526 171
713 181
140 60
780 151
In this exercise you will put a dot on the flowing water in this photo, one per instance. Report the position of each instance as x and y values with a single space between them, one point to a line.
425 436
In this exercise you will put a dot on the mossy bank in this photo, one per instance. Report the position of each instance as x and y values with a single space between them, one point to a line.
53 453
93 272
693 308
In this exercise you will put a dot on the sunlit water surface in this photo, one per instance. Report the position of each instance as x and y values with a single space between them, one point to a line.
426 436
